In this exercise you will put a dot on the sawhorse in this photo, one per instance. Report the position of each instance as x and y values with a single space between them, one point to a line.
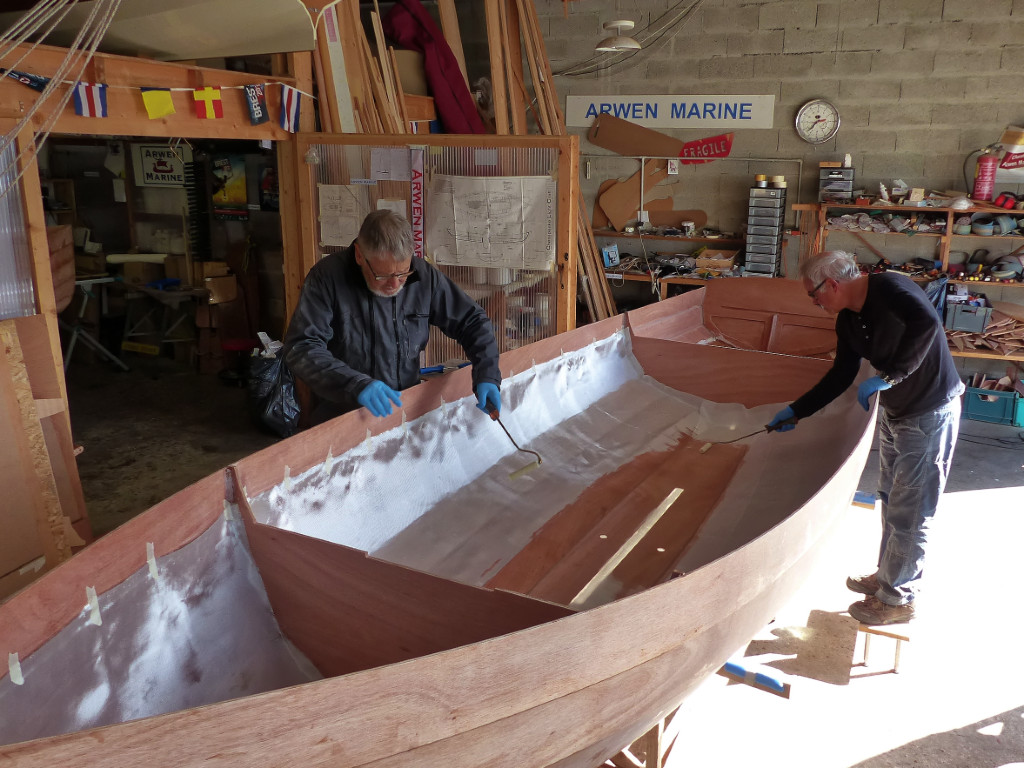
899 637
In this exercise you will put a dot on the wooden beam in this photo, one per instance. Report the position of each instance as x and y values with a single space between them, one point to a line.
125 112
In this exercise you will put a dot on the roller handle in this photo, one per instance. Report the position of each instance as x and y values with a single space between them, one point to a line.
786 422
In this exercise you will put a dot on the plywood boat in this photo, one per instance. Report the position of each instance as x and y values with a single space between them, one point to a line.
380 592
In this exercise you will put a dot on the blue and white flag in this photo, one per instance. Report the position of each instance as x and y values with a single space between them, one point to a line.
290 102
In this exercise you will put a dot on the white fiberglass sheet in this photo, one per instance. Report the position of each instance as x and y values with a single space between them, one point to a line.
199 633
435 494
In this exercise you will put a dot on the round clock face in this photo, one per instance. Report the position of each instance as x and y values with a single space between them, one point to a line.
817 121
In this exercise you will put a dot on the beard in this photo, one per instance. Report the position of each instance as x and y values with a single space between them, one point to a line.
383 293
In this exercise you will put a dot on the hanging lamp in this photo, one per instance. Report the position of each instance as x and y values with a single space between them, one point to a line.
616 41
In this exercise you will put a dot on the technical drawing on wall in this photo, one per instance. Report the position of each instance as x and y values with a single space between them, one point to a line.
341 213
492 222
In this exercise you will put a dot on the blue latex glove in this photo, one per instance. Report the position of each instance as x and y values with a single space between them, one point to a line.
868 387
775 425
377 397
488 393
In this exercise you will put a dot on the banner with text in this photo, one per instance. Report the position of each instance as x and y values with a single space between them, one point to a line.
701 112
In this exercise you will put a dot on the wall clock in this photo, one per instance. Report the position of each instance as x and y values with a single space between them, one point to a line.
817 121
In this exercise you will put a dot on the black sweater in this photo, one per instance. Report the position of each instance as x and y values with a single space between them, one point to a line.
899 333
342 336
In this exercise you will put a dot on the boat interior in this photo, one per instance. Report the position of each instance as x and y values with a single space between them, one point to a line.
365 542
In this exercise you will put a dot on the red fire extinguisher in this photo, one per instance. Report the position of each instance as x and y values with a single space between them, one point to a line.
985 176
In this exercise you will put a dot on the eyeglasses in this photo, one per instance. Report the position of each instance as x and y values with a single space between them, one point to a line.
816 288
383 278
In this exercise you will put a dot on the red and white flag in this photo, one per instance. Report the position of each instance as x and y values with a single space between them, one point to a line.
91 99
290 102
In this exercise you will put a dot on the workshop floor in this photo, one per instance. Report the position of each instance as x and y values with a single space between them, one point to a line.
957 701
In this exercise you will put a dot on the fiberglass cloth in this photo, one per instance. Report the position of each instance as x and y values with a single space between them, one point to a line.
435 494
200 632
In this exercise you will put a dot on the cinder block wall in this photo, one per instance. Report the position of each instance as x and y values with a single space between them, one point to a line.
919 83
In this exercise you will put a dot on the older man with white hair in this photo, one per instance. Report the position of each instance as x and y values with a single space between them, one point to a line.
364 316
888 320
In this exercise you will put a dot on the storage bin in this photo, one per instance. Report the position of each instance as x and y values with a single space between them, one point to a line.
994 407
966 317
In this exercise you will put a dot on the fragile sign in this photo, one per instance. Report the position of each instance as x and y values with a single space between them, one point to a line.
160 165
703 111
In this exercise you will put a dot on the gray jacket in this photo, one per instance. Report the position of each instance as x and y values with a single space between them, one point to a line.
342 336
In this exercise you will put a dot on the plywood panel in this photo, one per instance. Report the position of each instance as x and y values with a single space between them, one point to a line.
725 375
347 611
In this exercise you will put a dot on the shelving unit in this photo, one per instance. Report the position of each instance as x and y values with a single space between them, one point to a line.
663 282
944 241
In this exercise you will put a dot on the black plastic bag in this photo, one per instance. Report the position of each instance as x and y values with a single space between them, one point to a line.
272 401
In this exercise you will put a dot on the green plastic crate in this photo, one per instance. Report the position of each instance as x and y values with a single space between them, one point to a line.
994 407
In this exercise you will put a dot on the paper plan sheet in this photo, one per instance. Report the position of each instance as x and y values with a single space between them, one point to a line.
340 213
492 222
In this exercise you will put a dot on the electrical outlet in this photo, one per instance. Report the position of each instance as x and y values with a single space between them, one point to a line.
673 167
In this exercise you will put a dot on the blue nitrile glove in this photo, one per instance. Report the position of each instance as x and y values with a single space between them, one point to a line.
488 393
375 398
776 425
868 387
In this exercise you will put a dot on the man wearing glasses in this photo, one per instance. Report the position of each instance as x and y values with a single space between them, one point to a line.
888 320
364 316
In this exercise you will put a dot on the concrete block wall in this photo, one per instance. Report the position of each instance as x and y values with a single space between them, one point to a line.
920 84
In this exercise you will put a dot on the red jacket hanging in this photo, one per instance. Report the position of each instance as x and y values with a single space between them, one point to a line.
410 25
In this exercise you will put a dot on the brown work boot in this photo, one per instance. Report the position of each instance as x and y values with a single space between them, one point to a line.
865 585
874 611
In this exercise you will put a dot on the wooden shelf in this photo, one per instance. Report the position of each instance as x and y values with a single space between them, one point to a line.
667 238
985 354
945 239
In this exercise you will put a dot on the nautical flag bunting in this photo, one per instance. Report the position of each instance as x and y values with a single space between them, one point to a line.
290 102
208 103
256 98
35 82
158 102
91 99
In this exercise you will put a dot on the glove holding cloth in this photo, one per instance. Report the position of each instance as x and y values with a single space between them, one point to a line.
868 387
377 397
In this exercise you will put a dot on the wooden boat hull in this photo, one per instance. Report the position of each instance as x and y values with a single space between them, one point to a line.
478 676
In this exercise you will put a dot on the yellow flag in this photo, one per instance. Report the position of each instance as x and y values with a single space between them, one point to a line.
158 102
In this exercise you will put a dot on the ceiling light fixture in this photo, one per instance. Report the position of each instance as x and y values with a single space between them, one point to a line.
617 41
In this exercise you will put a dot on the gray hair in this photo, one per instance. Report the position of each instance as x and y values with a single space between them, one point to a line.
840 266
385 232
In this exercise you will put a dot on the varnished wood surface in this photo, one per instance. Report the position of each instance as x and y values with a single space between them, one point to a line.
347 611
725 375
568 692
597 678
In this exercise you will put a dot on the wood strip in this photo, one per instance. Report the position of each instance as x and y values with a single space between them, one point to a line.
452 35
386 73
403 110
496 46
513 64
535 76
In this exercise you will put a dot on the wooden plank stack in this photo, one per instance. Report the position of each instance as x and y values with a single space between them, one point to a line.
361 92
1004 333
512 29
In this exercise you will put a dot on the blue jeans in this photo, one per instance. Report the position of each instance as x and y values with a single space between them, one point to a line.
914 456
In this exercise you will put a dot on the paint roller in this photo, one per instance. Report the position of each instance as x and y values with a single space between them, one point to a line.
522 470
767 428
